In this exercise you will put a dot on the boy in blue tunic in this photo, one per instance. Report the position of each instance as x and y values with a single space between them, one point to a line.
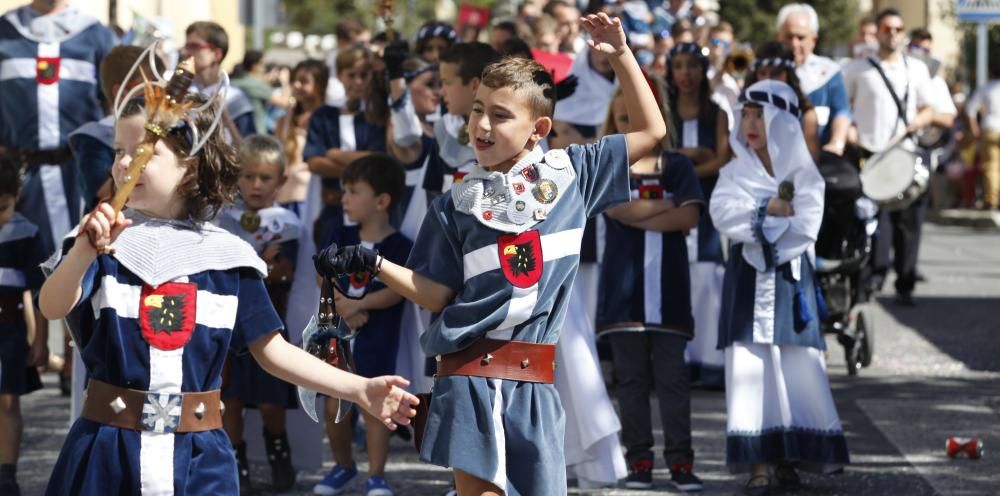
49 51
644 310
373 187
20 254
273 233
155 298
496 259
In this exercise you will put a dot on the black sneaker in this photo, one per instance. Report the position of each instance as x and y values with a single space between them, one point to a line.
682 477
640 474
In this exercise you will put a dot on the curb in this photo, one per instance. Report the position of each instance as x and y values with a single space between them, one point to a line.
979 219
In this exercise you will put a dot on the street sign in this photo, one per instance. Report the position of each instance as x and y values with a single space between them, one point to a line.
977 10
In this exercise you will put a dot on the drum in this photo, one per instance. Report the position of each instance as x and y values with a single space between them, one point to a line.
895 177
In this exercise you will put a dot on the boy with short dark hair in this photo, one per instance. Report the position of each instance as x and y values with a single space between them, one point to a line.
373 186
208 43
461 67
273 232
21 253
496 259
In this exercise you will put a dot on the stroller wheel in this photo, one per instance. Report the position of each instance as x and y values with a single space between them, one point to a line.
865 339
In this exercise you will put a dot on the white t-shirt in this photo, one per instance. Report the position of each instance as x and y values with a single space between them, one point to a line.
987 99
875 113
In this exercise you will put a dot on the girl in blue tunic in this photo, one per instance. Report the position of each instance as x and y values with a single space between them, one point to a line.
155 298
769 203
701 128
20 249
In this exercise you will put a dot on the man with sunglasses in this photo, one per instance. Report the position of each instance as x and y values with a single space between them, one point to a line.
819 77
883 108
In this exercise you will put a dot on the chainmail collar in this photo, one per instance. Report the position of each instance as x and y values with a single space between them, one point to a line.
518 200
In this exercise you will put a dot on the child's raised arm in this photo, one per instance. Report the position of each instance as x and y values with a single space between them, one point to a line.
646 122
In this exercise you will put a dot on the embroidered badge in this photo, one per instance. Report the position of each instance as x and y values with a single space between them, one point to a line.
518 188
167 314
488 215
545 191
557 158
47 70
161 412
250 221
530 173
360 279
651 192
521 257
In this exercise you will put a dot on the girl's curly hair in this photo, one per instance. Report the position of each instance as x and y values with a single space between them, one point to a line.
209 182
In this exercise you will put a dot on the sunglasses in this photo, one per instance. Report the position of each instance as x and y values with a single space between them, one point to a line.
720 42
195 46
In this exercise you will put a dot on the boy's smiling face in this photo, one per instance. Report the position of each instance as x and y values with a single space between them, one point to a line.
502 127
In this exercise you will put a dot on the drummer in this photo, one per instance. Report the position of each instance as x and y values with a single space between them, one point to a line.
878 121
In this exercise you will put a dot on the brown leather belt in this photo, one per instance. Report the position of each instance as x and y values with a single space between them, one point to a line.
35 158
513 360
154 412
11 308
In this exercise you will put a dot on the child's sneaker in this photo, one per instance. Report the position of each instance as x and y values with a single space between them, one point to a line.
682 477
336 481
377 486
640 474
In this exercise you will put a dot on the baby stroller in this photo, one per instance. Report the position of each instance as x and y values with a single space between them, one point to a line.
842 251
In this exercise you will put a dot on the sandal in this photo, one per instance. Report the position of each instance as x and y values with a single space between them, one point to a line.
787 477
751 489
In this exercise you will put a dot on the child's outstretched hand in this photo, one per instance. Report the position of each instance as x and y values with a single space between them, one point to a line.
606 34
102 227
384 398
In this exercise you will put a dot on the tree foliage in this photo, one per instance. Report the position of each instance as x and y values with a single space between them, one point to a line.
753 20
320 16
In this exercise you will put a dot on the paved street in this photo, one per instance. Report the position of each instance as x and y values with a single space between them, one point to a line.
935 374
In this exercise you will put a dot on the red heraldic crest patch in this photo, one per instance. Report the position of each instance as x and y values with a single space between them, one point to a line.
47 70
359 279
651 192
167 314
521 258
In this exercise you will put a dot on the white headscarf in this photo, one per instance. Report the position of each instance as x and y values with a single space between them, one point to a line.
744 185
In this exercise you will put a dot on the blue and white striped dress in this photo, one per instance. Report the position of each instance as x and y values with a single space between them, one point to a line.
20 253
503 431
231 310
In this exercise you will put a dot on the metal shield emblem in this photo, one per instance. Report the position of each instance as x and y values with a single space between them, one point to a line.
521 257
167 314
47 70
